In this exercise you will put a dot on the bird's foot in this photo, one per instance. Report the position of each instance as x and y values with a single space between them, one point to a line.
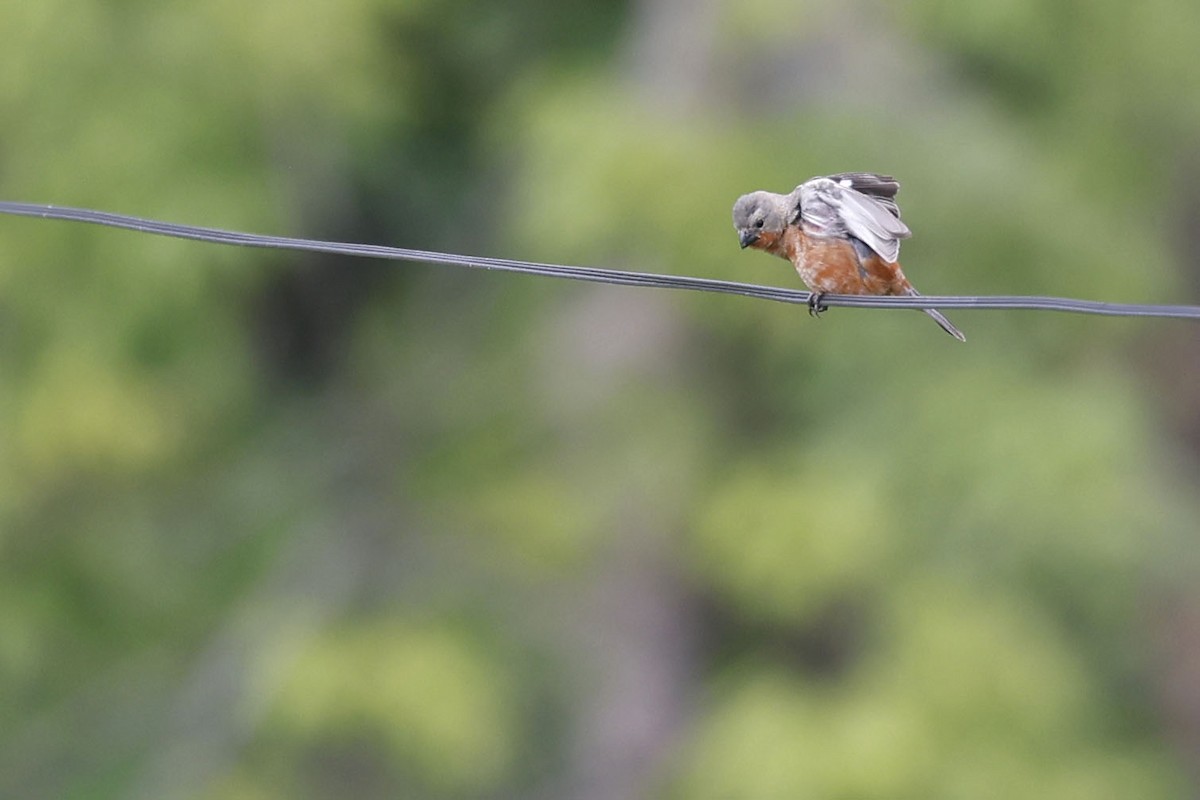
815 306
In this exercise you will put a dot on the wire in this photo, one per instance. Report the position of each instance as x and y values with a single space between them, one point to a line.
592 274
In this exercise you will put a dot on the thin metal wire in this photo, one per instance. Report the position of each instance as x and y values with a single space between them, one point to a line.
592 274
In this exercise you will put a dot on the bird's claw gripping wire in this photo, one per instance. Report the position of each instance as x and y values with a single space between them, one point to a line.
815 307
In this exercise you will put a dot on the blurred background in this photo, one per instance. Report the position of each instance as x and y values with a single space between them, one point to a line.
276 525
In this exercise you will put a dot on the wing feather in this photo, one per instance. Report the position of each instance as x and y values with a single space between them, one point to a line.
869 183
832 208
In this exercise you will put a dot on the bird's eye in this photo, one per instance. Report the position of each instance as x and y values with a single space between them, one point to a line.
758 224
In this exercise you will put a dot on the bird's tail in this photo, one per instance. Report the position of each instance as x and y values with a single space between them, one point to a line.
946 324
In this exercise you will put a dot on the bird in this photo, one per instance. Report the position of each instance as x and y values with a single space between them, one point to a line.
841 232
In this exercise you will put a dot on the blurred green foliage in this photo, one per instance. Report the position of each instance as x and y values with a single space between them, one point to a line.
385 699
276 526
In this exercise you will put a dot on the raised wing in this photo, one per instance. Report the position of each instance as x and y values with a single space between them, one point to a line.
882 188
830 207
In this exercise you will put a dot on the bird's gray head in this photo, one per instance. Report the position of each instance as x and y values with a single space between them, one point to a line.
757 213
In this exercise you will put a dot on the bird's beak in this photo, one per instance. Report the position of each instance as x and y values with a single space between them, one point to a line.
747 237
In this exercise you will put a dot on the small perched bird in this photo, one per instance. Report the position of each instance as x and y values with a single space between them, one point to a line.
842 233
